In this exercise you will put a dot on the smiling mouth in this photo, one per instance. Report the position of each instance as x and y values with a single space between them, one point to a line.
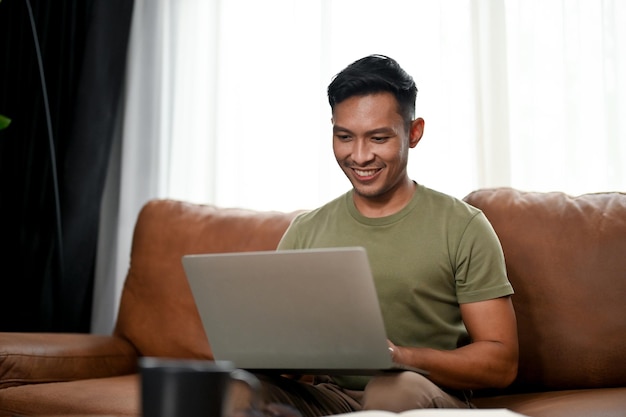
365 173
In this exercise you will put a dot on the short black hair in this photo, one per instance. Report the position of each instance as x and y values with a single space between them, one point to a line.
375 74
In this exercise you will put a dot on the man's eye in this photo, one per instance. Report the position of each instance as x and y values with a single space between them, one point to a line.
380 138
343 137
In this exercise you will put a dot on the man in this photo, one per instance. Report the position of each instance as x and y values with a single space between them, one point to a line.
437 263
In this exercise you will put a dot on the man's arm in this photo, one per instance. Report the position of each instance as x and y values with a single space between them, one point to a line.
490 361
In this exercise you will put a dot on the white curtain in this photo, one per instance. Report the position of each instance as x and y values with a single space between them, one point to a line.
226 103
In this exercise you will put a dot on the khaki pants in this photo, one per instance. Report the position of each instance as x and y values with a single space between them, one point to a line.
392 392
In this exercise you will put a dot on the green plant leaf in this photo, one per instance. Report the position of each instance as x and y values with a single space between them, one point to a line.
4 121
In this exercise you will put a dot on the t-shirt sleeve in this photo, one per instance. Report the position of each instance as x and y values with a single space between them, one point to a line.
289 239
480 267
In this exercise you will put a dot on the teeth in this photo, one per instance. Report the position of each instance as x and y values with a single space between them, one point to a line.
365 173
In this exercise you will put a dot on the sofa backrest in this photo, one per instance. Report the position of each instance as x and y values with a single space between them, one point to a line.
566 259
157 312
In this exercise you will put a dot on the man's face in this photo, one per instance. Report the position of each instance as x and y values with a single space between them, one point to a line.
371 144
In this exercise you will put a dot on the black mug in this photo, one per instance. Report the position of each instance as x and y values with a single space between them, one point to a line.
189 388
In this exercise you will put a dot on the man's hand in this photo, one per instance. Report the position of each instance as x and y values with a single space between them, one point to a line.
393 351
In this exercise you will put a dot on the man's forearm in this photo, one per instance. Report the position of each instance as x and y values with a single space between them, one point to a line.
482 364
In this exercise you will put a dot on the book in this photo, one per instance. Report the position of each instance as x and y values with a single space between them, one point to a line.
441 412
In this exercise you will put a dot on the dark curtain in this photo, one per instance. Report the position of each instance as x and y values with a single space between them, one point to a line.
50 196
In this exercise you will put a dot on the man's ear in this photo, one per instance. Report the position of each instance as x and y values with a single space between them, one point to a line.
416 132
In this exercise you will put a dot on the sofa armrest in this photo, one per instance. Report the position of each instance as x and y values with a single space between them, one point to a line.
27 358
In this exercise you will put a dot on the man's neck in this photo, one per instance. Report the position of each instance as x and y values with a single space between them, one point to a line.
387 204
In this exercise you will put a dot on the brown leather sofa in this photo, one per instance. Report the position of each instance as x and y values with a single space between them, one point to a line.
566 258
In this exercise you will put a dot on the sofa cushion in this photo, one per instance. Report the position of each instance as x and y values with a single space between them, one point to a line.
114 396
602 402
566 259
157 312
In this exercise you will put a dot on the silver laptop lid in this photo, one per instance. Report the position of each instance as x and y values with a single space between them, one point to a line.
299 310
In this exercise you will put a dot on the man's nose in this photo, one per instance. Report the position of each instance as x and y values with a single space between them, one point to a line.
362 152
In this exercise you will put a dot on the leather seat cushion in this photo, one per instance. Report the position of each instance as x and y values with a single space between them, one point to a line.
114 396
602 402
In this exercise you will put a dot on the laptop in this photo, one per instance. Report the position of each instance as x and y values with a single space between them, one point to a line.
311 311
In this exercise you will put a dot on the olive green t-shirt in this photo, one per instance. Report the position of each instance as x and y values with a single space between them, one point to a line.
433 255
